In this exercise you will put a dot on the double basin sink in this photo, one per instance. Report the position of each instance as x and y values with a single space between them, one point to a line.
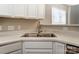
39 35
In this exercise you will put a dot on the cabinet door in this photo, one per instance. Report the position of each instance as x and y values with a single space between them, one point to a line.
10 47
19 10
58 48
36 10
3 9
32 10
41 10
26 10
16 52
37 47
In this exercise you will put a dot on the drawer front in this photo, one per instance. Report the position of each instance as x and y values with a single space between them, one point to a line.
10 47
38 51
37 44
16 52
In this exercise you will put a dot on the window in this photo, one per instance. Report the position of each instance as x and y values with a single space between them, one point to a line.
58 16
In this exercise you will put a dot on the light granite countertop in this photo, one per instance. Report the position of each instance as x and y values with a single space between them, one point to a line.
63 37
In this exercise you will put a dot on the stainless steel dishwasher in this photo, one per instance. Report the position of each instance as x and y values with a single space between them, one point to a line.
72 49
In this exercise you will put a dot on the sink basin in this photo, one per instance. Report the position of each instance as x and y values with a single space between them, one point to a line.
39 35
29 35
46 35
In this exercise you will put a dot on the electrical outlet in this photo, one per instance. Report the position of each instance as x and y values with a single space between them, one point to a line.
0 27
11 28
65 28
19 27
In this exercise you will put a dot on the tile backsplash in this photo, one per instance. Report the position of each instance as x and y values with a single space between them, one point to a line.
18 24
59 28
30 26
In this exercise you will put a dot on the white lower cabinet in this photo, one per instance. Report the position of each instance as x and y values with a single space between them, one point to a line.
58 48
9 48
43 48
16 52
37 47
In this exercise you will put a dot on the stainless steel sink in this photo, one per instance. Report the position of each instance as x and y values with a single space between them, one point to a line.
39 35
46 35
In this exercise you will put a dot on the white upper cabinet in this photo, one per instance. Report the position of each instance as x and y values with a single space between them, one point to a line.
3 9
18 10
32 10
11 9
36 10
25 10
41 10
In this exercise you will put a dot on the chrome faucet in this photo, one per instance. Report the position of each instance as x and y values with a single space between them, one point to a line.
39 28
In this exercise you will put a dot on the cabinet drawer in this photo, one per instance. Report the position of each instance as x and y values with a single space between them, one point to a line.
37 44
10 47
38 51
